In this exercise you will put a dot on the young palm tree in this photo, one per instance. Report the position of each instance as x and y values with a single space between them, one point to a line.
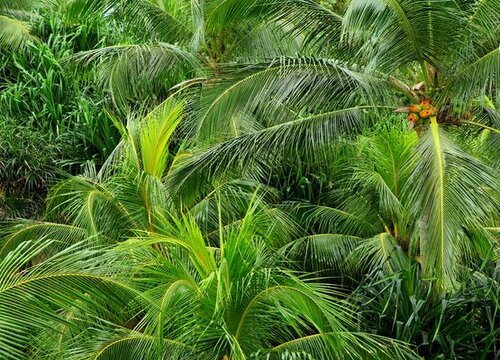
130 192
170 294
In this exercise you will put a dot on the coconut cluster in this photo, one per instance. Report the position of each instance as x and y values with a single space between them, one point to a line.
419 112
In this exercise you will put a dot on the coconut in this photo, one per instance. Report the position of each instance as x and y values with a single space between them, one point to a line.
425 104
424 114
413 118
433 111
415 108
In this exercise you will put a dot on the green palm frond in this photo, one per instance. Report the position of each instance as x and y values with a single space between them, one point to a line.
483 24
62 235
299 137
135 345
379 252
28 293
93 206
273 91
322 251
158 23
156 131
14 33
403 31
451 190
479 78
322 346
384 167
132 72
357 219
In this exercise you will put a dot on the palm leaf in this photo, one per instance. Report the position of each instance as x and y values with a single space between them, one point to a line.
155 135
403 31
379 252
451 190
60 281
477 79
272 91
302 136
138 71
20 232
14 34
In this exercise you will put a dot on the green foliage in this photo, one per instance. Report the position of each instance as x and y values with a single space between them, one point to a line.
458 325
28 165
168 294
241 181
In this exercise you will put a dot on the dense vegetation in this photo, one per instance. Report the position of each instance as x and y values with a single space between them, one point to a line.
249 179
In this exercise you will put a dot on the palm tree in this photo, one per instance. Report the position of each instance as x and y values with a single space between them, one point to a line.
372 218
441 57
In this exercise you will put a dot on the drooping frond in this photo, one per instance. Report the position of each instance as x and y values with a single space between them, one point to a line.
14 33
29 295
96 207
304 20
394 33
378 253
356 219
301 137
61 234
273 91
475 81
450 190
323 346
157 22
139 72
483 24
322 251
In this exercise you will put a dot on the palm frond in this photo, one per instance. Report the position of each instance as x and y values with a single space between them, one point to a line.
138 71
322 252
451 190
61 235
475 80
14 34
323 346
155 135
272 91
156 23
403 31
294 19
357 219
483 24
27 293
299 137
379 252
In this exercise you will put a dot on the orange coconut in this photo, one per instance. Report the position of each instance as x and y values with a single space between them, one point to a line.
425 104
424 114
415 108
413 118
